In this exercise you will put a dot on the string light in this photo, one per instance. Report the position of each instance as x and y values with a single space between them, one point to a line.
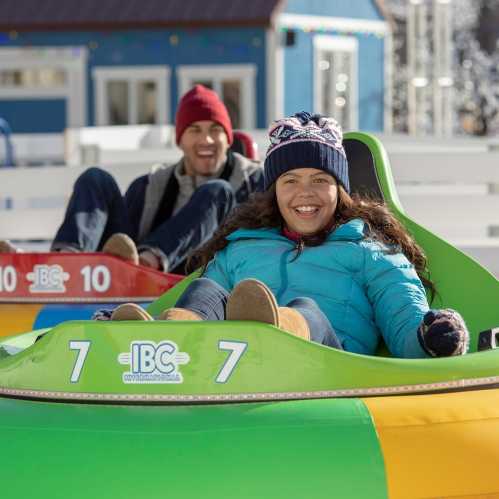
325 29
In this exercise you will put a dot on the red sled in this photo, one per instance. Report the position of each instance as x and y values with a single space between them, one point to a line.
78 277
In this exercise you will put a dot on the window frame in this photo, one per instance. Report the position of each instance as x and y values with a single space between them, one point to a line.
246 73
329 43
132 75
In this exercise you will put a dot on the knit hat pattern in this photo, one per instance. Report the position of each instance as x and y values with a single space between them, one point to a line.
306 141
200 104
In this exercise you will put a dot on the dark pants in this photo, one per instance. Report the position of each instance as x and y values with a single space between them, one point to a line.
208 299
97 210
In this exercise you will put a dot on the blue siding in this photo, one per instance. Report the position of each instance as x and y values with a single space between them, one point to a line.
34 116
153 47
371 83
357 9
298 75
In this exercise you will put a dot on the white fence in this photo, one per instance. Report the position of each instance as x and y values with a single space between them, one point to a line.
35 149
450 186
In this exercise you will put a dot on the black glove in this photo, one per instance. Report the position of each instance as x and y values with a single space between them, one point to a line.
443 333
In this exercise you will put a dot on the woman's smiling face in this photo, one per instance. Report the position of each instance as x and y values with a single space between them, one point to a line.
307 199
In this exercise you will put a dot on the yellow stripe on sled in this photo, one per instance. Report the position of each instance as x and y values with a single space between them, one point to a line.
441 445
17 318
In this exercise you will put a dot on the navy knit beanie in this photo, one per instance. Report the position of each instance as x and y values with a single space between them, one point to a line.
306 141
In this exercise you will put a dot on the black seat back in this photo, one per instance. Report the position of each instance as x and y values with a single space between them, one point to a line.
362 170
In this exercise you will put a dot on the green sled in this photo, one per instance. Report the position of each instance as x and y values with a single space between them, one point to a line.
225 409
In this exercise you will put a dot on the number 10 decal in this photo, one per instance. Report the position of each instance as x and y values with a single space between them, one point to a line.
236 349
82 347
96 278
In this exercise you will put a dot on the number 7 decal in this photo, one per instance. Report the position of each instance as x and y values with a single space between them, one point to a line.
236 349
83 347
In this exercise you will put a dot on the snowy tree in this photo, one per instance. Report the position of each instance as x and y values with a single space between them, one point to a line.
398 10
475 80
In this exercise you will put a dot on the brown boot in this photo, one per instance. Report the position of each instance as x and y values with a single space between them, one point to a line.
130 312
8 247
122 246
252 300
292 321
179 314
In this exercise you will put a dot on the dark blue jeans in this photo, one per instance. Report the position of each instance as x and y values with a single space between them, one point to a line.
208 299
97 210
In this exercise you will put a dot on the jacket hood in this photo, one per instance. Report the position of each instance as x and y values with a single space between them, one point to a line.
354 230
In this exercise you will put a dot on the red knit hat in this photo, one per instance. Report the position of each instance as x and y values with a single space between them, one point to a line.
198 104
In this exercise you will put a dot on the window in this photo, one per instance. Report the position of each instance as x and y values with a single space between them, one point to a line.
234 83
335 82
46 73
33 78
132 95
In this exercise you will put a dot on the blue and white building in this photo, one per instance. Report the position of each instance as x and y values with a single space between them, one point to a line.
102 62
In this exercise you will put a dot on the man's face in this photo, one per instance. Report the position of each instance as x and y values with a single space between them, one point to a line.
205 145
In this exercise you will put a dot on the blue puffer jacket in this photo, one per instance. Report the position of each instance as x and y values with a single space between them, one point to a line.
364 289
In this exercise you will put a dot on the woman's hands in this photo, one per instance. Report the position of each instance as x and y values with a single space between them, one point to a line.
443 333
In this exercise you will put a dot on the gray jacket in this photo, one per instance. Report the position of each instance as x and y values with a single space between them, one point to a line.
144 196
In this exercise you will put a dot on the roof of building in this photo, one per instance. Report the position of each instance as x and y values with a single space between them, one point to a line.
31 15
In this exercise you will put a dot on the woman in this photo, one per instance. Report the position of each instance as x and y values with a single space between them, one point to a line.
307 257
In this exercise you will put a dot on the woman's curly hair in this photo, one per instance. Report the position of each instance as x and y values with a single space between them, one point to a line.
261 211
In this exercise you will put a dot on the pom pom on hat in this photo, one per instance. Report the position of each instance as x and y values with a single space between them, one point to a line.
200 104
306 141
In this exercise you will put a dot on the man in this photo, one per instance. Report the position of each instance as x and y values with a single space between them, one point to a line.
173 210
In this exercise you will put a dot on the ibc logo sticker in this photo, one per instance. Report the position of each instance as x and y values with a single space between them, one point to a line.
47 279
153 363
